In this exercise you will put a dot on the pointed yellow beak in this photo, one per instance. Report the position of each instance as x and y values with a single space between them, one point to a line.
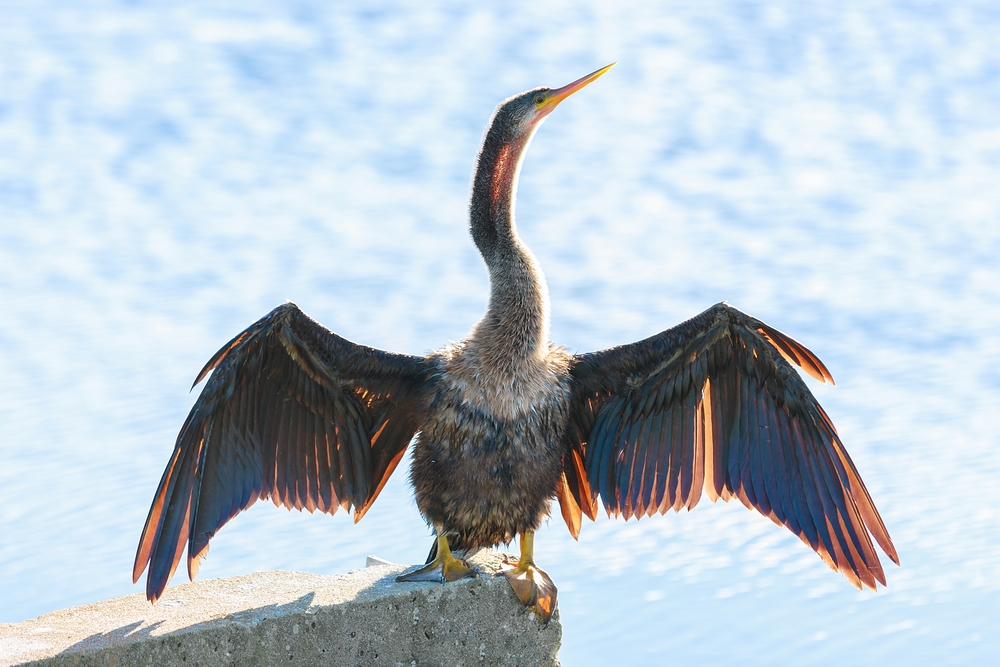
554 97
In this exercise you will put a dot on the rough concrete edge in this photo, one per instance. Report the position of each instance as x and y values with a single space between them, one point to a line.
365 592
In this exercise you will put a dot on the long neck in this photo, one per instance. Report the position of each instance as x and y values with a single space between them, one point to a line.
515 327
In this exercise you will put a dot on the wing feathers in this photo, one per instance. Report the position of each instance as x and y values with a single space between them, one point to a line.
687 458
758 434
324 498
289 413
713 404
773 467
155 517
654 467
789 477
795 353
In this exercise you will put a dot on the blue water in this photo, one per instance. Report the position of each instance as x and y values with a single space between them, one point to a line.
169 172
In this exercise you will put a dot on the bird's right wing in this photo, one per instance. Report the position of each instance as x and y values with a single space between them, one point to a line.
713 404
291 412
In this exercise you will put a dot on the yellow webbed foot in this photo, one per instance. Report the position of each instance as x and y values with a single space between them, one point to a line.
442 569
531 584
534 588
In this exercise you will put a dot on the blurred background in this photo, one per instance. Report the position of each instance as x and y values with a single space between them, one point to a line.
169 172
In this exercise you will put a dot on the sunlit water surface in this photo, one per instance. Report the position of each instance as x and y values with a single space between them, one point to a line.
171 172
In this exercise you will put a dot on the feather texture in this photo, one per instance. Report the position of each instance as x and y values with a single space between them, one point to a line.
714 405
291 412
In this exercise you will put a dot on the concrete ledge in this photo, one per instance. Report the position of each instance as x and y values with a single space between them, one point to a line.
292 618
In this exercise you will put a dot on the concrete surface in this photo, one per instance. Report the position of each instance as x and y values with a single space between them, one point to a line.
293 618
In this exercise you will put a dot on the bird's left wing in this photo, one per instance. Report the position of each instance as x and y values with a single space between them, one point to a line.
713 404
291 412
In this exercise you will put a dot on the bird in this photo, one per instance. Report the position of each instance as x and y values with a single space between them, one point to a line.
505 422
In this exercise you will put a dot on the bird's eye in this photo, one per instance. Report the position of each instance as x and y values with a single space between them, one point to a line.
539 98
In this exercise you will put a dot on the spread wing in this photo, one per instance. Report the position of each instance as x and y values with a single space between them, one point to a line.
291 412
714 404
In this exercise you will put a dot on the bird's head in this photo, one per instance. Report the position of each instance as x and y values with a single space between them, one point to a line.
507 137
520 116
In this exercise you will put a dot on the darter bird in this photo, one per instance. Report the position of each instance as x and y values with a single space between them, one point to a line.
504 422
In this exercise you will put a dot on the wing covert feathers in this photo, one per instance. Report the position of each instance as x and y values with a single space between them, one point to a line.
713 404
292 412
